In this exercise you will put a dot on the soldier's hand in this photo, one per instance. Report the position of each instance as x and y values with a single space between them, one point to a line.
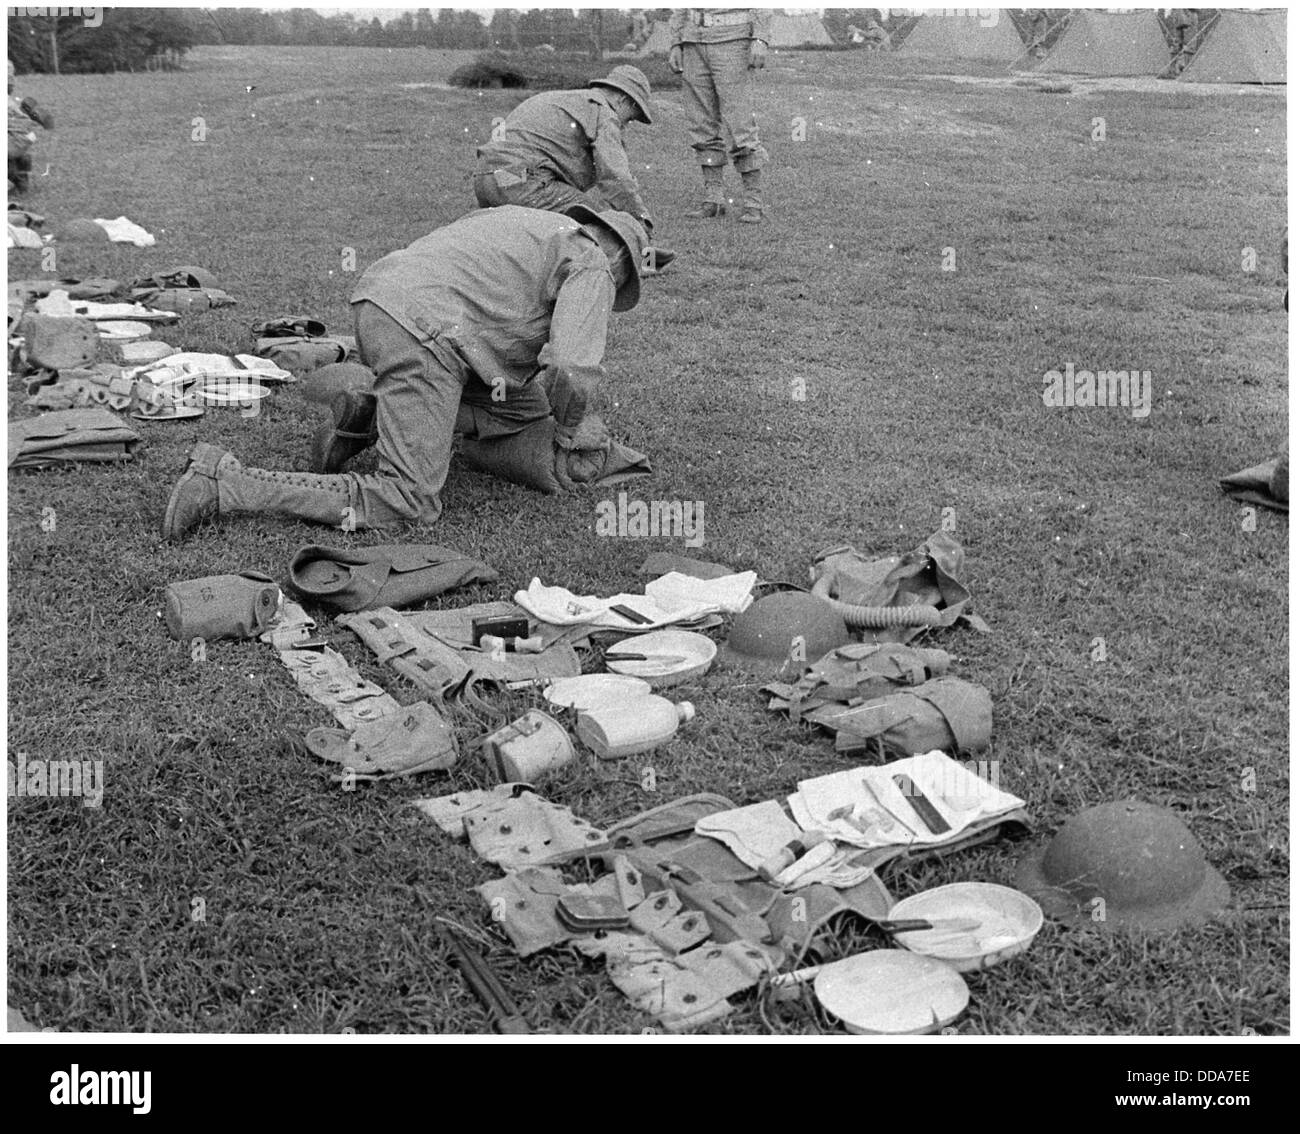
580 452
590 433
758 54
675 60
570 390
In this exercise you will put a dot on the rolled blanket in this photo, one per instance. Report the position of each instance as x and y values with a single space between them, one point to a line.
390 575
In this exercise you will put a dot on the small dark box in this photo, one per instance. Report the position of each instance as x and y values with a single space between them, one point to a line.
501 626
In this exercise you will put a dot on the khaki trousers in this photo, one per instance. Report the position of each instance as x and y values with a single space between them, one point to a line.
424 397
535 193
718 96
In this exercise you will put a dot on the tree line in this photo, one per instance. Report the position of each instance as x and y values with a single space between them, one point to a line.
133 39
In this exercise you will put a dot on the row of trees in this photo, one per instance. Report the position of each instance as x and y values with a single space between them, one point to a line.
508 29
132 39
123 39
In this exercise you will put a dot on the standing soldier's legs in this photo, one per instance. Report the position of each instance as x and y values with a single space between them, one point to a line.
734 84
704 122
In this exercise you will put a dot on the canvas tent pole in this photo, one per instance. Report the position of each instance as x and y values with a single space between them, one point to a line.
1022 59
898 37
1201 33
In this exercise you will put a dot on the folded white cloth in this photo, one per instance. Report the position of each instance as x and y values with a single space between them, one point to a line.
729 593
20 237
882 816
58 303
123 231
561 607
194 365
757 832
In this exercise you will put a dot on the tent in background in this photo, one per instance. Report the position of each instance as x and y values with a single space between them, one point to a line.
787 31
962 35
1109 43
1241 47
659 41
799 31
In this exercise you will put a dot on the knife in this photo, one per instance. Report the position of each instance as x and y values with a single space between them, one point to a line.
919 924
935 823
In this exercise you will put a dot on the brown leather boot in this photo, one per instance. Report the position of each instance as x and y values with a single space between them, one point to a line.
714 204
352 432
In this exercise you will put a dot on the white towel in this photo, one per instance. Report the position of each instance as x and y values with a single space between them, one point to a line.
123 231
561 607
957 794
20 237
757 832
58 303
729 593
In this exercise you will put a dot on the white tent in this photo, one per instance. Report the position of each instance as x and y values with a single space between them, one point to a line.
1109 43
1242 47
659 41
799 31
965 35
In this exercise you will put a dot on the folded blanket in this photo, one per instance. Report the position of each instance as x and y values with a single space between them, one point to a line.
68 436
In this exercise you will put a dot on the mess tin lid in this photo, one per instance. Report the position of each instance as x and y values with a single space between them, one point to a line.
890 992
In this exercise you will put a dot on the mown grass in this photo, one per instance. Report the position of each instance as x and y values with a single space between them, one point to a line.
922 394
548 71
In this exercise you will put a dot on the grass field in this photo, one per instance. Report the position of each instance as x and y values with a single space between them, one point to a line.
923 393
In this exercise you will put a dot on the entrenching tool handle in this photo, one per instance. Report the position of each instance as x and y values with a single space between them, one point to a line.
798 976
506 1019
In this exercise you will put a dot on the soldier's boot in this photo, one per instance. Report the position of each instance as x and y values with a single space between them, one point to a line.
20 170
714 204
751 180
353 430
215 485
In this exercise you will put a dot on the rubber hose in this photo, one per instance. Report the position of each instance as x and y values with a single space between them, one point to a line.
876 617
